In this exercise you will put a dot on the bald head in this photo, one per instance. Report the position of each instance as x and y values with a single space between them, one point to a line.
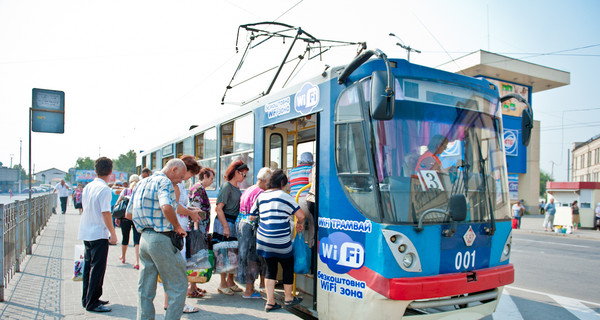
175 170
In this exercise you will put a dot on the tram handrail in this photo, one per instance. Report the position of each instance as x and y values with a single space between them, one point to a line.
295 221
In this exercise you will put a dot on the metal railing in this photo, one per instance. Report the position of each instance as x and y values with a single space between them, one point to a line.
18 235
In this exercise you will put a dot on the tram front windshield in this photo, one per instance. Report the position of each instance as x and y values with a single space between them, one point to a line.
430 152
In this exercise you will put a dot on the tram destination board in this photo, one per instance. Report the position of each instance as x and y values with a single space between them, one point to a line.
48 111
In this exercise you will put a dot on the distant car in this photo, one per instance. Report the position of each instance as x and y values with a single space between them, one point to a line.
26 190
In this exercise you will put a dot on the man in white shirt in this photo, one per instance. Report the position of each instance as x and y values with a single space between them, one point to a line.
94 229
63 194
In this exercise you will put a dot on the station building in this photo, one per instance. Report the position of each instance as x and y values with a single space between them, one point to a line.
524 78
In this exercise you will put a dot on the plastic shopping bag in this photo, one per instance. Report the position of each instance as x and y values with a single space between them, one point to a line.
79 262
226 257
195 242
199 260
301 255
202 275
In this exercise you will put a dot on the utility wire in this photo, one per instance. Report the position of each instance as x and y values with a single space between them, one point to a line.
288 10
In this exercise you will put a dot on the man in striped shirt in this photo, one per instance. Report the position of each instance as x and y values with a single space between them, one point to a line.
299 176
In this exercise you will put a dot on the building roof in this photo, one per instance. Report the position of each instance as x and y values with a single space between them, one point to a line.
51 169
492 65
577 145
571 186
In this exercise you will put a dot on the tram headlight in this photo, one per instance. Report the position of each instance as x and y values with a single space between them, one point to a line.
404 251
507 248
408 260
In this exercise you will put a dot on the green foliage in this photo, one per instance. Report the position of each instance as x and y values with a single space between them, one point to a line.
84 163
125 162
24 175
544 177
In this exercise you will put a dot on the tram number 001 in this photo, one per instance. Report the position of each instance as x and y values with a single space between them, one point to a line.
464 260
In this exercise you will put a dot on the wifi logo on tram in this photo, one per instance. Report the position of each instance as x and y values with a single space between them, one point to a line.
340 253
307 98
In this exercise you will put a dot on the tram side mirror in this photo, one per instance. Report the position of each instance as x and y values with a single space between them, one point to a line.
526 126
457 207
382 104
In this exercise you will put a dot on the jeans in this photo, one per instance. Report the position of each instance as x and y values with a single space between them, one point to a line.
249 265
63 204
96 254
159 256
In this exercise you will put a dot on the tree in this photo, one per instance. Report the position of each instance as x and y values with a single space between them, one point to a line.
24 175
544 177
84 163
125 162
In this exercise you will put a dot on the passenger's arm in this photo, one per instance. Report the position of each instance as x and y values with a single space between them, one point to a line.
222 219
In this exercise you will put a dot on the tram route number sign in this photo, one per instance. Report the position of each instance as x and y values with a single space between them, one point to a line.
48 111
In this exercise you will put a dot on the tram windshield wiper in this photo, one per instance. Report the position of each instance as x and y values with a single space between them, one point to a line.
482 162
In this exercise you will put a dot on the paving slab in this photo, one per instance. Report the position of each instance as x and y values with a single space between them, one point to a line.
45 288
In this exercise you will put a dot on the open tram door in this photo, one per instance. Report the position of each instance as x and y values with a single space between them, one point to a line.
285 142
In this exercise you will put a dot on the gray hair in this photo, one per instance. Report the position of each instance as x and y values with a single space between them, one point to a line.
174 163
264 174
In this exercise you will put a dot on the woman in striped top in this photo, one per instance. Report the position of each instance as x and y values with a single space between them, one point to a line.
273 240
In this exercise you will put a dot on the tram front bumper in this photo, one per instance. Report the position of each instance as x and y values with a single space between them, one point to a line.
445 285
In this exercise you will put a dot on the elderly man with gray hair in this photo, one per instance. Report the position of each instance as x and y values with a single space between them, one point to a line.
152 209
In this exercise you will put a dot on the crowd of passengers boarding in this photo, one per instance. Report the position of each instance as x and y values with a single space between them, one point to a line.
252 233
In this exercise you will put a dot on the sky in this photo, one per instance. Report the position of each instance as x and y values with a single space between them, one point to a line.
139 73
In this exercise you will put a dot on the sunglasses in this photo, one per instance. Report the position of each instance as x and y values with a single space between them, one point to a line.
243 174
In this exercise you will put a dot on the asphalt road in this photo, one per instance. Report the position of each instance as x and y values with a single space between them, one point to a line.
555 278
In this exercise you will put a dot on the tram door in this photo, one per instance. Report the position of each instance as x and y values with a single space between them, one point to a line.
284 144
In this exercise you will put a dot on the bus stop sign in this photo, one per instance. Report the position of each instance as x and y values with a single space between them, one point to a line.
48 111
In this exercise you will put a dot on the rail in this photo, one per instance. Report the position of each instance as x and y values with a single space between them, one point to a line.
19 230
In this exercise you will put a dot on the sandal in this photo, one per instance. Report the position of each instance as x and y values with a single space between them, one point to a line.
271 307
189 309
226 291
295 301
235 288
136 267
196 294
254 295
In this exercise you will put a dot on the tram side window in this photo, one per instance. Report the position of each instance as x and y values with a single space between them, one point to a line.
352 155
237 142
153 161
205 148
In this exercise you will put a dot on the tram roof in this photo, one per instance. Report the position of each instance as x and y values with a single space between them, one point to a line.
492 65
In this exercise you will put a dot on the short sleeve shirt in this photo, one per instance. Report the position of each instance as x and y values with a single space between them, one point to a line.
95 200
230 197
63 191
148 196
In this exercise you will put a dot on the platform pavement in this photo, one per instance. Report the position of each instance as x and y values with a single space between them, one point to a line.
45 289
534 224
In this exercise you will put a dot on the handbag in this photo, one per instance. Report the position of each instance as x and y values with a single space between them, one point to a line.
176 239
301 255
120 208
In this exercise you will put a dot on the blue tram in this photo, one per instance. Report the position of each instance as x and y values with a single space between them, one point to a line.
412 211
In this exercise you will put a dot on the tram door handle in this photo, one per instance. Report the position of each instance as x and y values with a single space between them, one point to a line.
471 276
